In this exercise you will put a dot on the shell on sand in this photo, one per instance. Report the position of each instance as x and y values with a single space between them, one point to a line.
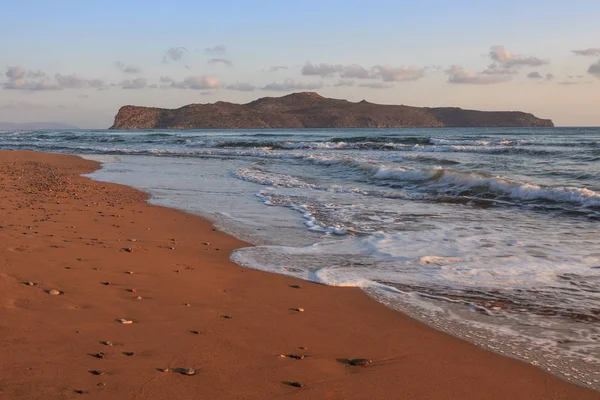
53 292
188 371
125 321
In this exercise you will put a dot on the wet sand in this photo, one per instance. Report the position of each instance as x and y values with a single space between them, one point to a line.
101 246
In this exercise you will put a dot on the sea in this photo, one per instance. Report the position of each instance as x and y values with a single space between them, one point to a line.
489 234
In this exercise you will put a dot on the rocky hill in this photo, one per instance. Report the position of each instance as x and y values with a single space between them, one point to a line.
310 110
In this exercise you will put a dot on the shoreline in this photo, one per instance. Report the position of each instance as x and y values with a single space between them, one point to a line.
88 226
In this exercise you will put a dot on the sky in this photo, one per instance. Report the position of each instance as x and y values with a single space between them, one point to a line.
78 62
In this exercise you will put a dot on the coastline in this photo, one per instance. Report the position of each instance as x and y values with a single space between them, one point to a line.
87 225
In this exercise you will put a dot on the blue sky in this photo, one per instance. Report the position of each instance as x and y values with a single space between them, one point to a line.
59 58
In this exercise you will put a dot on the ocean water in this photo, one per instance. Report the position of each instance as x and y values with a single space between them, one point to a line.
492 235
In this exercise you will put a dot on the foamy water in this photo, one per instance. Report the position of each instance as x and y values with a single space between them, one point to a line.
489 234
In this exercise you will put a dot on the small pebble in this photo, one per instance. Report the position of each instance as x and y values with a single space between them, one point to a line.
101 384
187 304
296 356
79 391
128 353
105 283
30 283
107 343
226 316
132 240
53 292
125 321
138 297
298 309
295 286
96 372
129 272
171 248
206 244
195 332
360 362
128 249
132 290
100 355
296 384
163 369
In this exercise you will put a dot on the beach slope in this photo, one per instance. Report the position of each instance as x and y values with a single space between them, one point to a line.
78 258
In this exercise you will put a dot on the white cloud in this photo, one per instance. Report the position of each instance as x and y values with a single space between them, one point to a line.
594 69
21 79
358 72
218 49
587 52
241 87
166 79
535 75
14 73
399 74
220 61
198 83
174 54
137 83
457 74
549 77
128 69
503 57
322 70
290 85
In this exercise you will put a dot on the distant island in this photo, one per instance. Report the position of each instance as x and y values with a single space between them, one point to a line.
32 126
311 110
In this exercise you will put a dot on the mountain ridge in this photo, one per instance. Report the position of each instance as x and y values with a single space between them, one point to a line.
311 110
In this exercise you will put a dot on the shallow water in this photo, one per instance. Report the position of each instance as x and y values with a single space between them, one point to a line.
490 234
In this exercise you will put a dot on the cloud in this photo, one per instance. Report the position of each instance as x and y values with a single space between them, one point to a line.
220 61
174 54
218 49
503 57
587 52
72 81
568 83
344 82
495 69
137 83
166 79
241 87
376 85
322 70
549 77
358 72
36 74
14 73
128 69
290 85
399 74
21 79
277 68
22 84
594 69
198 83
535 75
457 74
83 96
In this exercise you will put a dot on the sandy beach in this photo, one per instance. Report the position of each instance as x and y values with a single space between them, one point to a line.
104 296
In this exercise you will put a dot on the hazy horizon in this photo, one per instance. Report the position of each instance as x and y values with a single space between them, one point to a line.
79 63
